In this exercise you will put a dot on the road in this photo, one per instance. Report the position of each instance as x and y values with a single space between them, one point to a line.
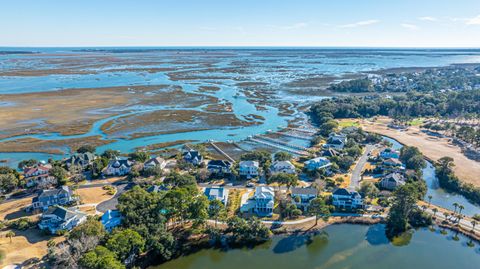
112 203
357 171
465 223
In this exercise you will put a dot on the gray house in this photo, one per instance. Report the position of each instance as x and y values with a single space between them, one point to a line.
47 198
80 159
59 218
301 197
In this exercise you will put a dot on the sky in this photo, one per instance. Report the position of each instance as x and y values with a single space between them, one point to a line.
311 23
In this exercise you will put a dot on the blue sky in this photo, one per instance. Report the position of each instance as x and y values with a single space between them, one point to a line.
374 23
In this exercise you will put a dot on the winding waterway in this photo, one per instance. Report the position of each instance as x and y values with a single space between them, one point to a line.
439 196
342 246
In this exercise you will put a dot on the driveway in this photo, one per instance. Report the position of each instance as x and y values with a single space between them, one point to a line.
357 171
112 203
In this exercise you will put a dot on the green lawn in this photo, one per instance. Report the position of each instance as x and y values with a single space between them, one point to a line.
348 123
416 122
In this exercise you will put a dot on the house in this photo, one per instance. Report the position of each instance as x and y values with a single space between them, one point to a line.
80 159
392 162
39 175
61 219
47 198
282 167
155 162
389 153
219 167
343 198
317 163
111 219
157 188
248 169
264 201
330 152
336 141
118 167
392 181
193 156
301 197
217 193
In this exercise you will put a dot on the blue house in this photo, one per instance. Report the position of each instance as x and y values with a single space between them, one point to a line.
317 163
389 153
111 219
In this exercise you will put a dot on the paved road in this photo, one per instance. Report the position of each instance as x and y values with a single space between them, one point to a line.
357 171
111 204
465 223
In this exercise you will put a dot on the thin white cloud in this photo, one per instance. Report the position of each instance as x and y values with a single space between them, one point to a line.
428 18
295 26
409 26
473 21
359 23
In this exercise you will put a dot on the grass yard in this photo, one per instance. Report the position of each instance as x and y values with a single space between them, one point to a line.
14 209
343 123
93 195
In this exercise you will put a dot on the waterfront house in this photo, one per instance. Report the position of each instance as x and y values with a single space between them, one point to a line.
392 181
264 201
392 162
111 219
157 188
343 198
336 141
118 167
329 152
39 175
389 153
47 198
193 156
282 167
155 162
58 218
80 159
248 169
217 193
317 163
301 197
219 167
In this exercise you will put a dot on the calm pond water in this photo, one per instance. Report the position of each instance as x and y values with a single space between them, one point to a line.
439 196
341 246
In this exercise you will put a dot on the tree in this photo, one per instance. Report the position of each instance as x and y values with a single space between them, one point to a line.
435 210
139 156
59 174
110 154
368 189
284 179
216 210
10 234
27 163
8 182
455 205
100 258
474 223
247 231
405 199
177 180
460 208
429 200
257 155
282 156
90 228
86 148
319 209
125 243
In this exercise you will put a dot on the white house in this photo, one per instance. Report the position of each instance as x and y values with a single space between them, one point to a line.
282 167
59 218
217 193
264 201
192 156
317 163
301 197
39 175
343 198
392 181
118 167
155 162
248 169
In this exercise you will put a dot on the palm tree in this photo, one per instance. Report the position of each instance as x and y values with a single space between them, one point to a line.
460 208
446 214
459 218
424 207
435 210
473 224
455 205
10 234
429 200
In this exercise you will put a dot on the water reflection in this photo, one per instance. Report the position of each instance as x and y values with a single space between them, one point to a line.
376 235
290 243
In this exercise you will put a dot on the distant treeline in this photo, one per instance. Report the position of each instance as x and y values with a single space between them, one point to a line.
413 104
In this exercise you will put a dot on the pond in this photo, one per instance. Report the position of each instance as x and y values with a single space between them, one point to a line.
341 246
